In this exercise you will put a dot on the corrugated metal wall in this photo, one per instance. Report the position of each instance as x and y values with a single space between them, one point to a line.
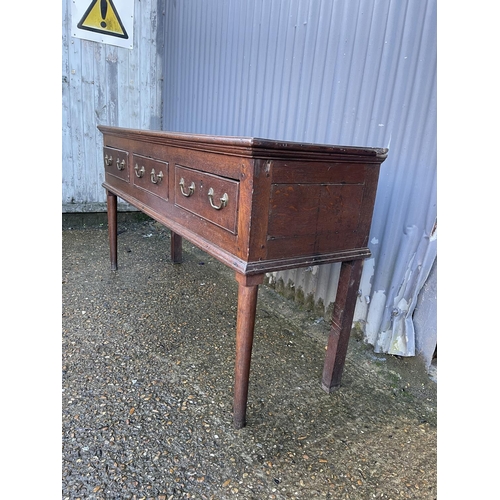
352 72
348 72
104 84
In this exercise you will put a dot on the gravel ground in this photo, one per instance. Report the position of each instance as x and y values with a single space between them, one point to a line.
147 368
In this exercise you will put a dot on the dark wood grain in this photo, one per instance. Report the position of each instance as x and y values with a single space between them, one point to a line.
150 175
247 303
112 229
175 248
343 312
198 202
286 205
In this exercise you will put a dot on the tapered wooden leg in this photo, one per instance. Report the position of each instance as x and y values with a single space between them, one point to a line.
175 247
343 313
247 303
112 229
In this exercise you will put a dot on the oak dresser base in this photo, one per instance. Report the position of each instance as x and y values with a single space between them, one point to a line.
257 206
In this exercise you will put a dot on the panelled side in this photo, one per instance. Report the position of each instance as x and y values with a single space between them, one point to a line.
319 208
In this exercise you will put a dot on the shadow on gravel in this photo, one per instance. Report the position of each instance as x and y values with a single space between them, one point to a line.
148 354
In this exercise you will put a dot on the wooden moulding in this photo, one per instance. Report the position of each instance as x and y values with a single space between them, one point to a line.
279 205
289 204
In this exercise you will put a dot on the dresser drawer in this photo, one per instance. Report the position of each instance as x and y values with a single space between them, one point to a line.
150 175
211 197
116 163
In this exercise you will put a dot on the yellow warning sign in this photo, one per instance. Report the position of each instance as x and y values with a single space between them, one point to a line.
102 17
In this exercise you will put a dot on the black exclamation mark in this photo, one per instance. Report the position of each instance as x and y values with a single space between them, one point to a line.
104 11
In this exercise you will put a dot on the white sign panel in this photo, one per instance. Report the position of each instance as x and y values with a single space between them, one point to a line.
105 21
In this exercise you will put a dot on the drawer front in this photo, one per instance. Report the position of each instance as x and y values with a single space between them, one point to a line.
116 163
150 175
209 196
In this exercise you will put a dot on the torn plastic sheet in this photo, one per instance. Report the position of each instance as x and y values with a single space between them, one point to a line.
389 324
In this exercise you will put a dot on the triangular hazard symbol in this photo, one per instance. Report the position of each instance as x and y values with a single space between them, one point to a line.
102 17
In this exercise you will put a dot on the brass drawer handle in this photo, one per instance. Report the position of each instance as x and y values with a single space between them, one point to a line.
108 160
156 179
191 188
120 165
223 200
139 172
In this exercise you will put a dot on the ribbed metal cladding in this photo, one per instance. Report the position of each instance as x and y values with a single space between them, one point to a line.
346 72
